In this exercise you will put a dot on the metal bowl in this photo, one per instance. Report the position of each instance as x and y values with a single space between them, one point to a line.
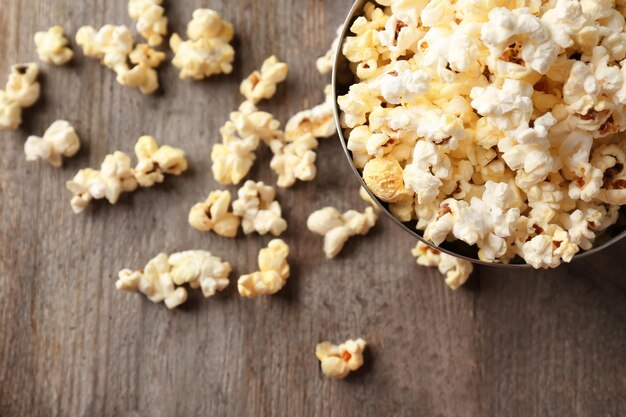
342 78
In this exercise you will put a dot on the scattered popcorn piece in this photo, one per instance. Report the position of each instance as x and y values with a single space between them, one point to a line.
200 269
110 44
151 19
155 161
337 228
207 52
258 209
338 361
143 75
318 121
213 215
161 276
22 86
116 176
324 64
241 136
455 270
273 274
52 46
294 160
59 140
262 84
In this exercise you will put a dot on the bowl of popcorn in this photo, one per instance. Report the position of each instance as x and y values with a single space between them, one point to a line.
491 130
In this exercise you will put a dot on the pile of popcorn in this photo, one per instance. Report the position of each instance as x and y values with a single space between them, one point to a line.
497 123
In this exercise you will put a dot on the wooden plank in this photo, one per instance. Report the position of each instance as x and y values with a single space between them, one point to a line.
509 344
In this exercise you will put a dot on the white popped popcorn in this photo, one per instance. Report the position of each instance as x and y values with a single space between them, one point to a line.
114 178
262 84
455 270
154 161
200 269
110 44
162 278
207 51
241 136
337 361
294 160
273 272
318 121
22 86
213 215
337 228
116 175
259 210
151 19
143 74
52 46
59 140
492 122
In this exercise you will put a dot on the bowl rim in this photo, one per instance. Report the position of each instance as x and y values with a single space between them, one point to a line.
358 4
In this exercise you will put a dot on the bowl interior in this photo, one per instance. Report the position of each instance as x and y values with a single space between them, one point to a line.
342 79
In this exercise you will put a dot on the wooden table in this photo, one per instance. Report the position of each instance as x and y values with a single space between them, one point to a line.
510 343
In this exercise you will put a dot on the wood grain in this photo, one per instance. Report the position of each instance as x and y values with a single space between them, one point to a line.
511 343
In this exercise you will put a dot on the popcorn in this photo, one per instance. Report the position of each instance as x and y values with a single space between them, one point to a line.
200 269
273 273
151 20
155 161
52 46
258 210
294 160
325 63
425 173
337 228
241 136
154 281
318 121
110 44
116 176
455 270
59 140
213 215
262 85
162 277
207 52
492 122
22 86
383 176
143 75
338 361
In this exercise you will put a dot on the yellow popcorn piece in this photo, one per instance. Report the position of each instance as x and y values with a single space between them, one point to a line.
337 361
213 215
207 52
52 46
150 18
455 270
261 85
273 273
162 278
59 140
337 228
258 209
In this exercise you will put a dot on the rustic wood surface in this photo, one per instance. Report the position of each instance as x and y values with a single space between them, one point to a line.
510 343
